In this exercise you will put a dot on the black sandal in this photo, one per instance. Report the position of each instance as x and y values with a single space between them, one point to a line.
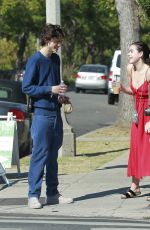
130 194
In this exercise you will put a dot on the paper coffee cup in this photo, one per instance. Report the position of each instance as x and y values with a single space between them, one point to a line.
116 87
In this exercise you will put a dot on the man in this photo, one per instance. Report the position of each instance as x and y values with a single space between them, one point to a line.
42 83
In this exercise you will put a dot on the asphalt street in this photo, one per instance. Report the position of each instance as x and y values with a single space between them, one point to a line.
90 111
35 222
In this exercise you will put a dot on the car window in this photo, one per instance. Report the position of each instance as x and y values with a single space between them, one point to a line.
5 93
11 91
92 69
118 64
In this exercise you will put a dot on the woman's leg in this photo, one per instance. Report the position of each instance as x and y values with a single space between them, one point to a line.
135 184
134 189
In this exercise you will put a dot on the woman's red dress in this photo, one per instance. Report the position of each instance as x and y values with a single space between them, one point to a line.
139 157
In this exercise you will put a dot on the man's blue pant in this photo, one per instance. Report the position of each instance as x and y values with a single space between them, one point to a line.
47 135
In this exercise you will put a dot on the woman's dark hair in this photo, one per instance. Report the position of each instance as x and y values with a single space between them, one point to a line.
51 31
141 46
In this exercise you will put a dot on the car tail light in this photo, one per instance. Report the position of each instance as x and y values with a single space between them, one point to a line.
78 75
18 113
110 73
103 77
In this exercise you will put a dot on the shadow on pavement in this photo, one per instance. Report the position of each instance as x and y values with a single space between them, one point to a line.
16 175
107 193
17 201
113 167
101 153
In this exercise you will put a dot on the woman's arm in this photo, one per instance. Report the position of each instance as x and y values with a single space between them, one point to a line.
148 75
147 125
124 89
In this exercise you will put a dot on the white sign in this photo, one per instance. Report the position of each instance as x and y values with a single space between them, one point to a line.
2 170
9 150
7 129
2 173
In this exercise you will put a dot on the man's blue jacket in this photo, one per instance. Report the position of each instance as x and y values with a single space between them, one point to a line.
41 73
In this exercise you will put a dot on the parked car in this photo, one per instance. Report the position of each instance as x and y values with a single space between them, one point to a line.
13 100
20 74
92 77
114 76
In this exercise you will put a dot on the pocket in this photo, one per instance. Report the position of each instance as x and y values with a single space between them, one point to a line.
52 121
42 123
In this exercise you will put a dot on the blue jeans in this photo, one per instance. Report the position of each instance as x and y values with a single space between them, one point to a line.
47 136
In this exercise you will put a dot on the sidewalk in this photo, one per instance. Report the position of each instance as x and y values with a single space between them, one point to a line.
97 194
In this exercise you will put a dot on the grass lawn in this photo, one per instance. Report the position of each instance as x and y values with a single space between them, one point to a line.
93 150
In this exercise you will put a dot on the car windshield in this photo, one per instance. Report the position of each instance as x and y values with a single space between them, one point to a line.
92 69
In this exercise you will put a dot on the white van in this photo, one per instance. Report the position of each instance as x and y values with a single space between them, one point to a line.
114 76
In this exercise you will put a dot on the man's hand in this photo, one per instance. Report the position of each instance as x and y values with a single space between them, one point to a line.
59 89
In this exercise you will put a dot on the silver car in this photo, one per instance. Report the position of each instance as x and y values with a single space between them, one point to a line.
13 100
92 77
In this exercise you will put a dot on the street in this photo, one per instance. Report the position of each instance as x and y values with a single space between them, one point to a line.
90 111
35 222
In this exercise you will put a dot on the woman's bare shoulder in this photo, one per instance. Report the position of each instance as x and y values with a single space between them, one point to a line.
129 70
148 73
129 67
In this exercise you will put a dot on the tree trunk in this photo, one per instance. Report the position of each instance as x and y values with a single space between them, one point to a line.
129 32
22 44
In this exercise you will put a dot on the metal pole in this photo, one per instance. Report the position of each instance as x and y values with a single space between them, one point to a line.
53 17
53 12
69 141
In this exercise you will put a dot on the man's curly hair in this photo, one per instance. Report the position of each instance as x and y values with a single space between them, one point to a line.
51 31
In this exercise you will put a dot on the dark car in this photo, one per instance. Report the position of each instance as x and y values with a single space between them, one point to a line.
13 100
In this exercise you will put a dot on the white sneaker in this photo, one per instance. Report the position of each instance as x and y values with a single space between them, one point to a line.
58 199
33 202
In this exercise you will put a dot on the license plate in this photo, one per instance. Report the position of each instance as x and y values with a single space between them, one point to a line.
117 78
83 77
91 78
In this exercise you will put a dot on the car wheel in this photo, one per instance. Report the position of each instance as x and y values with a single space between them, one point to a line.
111 99
77 90
83 90
117 98
106 91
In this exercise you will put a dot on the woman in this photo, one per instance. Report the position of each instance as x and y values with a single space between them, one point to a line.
138 71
